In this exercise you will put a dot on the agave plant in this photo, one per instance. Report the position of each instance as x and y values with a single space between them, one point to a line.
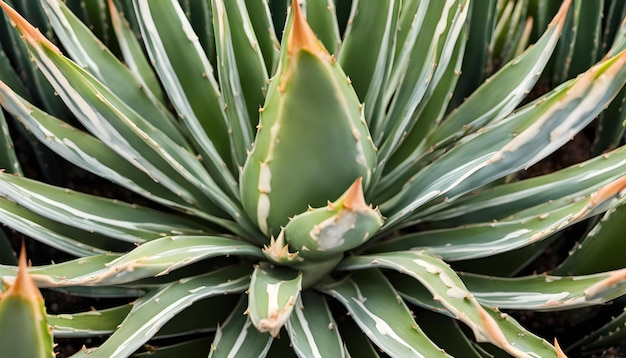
313 194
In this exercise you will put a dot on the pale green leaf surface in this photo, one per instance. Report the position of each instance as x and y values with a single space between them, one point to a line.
188 349
272 295
449 290
132 223
495 152
133 54
150 312
547 292
369 74
264 29
63 237
87 51
322 18
376 307
432 51
312 328
155 258
237 337
489 238
241 72
506 199
500 94
189 82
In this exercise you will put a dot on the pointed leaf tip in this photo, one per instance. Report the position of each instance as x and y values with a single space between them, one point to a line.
24 285
302 36
30 33
355 199
559 351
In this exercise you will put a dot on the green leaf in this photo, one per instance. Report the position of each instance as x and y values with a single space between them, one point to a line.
272 295
372 25
312 329
547 292
159 306
502 92
155 258
92 323
8 157
116 219
265 32
375 306
188 349
522 229
238 337
88 52
322 16
242 74
534 131
604 242
63 237
24 329
449 290
188 80
133 54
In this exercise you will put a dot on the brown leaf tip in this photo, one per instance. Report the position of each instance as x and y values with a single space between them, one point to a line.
24 285
302 37
354 198
30 33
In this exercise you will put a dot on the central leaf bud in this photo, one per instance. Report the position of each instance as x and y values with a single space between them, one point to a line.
312 140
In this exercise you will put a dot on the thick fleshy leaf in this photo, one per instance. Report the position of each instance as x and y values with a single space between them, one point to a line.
189 83
114 218
312 329
374 305
117 124
88 52
155 258
264 29
24 328
322 16
495 152
372 26
272 295
547 292
522 229
8 158
66 238
238 337
434 45
309 94
150 312
342 225
241 72
507 199
499 96
132 52
449 290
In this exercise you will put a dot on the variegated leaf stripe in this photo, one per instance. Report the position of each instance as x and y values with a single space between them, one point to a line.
377 309
449 290
87 51
190 84
547 292
151 311
119 220
495 151
272 295
241 73
312 329
522 229
155 258
237 336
